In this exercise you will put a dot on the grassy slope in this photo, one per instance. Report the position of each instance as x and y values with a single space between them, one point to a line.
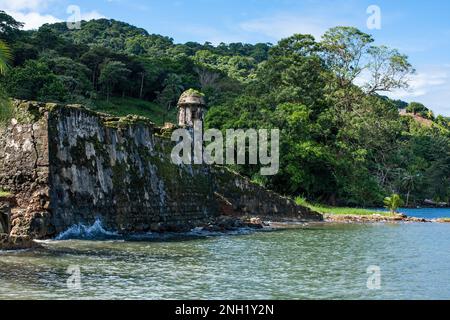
338 210
125 106
4 193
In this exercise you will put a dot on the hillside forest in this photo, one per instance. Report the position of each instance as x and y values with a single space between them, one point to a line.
343 142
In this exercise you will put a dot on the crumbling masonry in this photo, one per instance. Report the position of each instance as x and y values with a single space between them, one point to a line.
65 165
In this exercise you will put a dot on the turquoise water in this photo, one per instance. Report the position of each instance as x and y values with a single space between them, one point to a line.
313 262
427 213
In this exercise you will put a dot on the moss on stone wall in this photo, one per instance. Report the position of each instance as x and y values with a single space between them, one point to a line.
130 120
4 193
119 170
6 112
29 112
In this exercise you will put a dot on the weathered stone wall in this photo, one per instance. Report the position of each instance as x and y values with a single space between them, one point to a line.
238 194
7 241
67 165
24 169
120 171
24 163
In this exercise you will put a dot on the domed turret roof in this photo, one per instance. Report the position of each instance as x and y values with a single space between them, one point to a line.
192 97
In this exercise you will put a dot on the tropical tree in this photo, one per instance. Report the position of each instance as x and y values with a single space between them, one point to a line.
388 70
93 59
417 108
112 74
26 81
207 68
348 53
344 49
5 58
393 203
409 181
294 72
172 90
8 26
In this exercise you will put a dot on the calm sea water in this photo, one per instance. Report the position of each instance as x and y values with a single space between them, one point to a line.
314 262
427 213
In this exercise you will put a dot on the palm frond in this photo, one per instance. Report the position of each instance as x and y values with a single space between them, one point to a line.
5 57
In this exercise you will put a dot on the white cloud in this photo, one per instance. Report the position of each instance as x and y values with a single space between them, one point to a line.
33 20
21 5
29 12
431 86
272 28
422 83
32 12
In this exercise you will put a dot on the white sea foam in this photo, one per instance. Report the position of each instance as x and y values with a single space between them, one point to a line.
82 232
97 231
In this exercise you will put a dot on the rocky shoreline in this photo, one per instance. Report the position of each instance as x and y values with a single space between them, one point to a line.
378 218
8 242
289 223
229 223
223 224
371 218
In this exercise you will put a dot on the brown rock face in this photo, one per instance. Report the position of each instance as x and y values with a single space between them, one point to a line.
16 242
35 220
7 241
24 164
5 213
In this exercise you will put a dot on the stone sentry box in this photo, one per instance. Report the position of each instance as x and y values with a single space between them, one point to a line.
67 165
191 108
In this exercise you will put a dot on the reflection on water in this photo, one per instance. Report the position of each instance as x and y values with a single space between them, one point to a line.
315 262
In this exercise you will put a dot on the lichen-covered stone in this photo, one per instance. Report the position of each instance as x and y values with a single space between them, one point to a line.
8 242
118 170
67 165
238 194
24 163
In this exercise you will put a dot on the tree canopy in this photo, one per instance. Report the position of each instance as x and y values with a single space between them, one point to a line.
342 142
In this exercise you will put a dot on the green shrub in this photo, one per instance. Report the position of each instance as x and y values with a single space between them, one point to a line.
6 110
393 203
4 193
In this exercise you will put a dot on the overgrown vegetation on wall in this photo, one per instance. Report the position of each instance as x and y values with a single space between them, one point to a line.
5 108
340 143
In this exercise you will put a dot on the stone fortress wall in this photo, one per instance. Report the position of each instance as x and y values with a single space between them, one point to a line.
65 165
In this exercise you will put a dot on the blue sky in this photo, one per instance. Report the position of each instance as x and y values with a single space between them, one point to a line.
420 29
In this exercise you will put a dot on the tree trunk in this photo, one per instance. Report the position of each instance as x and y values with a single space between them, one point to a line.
407 198
142 86
94 77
